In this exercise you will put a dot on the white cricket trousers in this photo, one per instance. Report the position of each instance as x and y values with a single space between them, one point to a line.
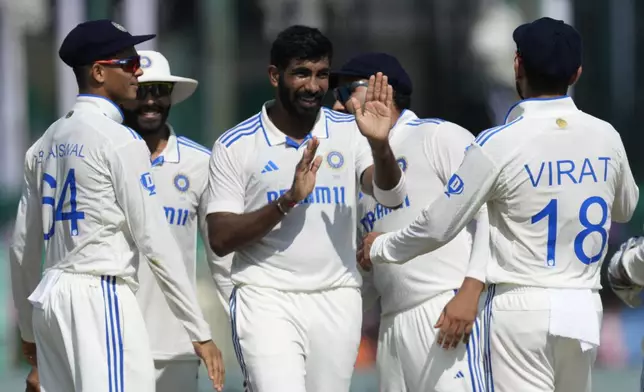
410 360
296 341
177 376
523 355
91 336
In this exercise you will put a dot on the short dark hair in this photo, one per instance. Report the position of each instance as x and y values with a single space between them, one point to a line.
82 76
546 85
402 101
300 43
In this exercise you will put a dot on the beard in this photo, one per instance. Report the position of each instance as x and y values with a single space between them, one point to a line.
136 119
291 102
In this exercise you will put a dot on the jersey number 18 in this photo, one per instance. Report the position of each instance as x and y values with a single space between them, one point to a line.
550 212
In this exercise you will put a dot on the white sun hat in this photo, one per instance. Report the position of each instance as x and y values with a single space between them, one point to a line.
157 69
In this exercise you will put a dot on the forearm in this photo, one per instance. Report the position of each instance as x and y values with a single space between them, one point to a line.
228 232
181 297
387 173
480 253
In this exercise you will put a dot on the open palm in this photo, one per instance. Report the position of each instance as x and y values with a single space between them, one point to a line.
374 118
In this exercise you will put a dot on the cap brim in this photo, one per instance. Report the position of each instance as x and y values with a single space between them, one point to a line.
137 39
183 87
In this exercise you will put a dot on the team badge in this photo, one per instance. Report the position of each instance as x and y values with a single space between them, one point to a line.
181 182
335 159
455 185
118 26
145 62
148 183
402 163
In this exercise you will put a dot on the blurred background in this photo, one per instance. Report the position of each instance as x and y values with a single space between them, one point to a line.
459 54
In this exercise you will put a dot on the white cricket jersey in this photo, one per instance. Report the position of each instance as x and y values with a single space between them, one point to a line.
313 247
89 192
429 151
180 174
553 177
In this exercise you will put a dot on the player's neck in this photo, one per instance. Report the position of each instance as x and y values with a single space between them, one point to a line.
292 126
96 91
157 141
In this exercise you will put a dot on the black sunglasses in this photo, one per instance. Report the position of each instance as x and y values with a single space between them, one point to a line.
343 93
155 89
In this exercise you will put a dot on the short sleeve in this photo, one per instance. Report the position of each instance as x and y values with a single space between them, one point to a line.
226 190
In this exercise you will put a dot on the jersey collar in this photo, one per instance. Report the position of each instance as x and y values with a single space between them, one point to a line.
405 117
170 153
540 107
275 137
102 104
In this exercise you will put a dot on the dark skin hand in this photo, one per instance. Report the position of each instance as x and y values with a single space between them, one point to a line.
228 231
458 316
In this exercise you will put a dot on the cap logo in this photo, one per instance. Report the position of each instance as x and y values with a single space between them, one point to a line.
145 62
118 26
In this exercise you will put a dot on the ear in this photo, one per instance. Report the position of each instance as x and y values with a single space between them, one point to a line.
97 72
576 76
518 67
273 75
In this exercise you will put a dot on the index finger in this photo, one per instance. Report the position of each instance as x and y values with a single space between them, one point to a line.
370 88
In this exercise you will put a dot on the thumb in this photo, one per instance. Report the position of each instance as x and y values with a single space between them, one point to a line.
354 106
439 323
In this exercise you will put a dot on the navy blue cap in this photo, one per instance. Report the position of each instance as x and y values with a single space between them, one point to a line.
95 40
550 47
367 64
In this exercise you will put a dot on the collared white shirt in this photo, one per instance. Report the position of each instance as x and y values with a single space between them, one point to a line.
553 178
313 247
89 192
429 151
180 174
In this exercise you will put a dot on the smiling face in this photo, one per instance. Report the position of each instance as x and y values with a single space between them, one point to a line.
149 111
301 86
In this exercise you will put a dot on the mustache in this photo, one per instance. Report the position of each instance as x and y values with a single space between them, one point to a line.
150 108
313 95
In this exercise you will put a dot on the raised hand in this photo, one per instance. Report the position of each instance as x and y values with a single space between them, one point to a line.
305 173
374 119
211 357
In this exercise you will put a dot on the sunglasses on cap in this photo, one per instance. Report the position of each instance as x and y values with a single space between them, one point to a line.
128 64
343 93
154 89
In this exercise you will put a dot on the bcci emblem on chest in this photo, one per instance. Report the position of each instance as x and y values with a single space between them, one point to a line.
335 160
181 182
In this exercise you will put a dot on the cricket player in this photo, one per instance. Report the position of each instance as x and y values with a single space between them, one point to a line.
283 190
180 172
626 276
413 295
553 178
89 194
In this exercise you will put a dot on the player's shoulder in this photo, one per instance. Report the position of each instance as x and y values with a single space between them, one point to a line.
191 149
502 134
241 134
338 118
107 130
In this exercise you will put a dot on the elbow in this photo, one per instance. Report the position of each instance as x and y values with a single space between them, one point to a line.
219 245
